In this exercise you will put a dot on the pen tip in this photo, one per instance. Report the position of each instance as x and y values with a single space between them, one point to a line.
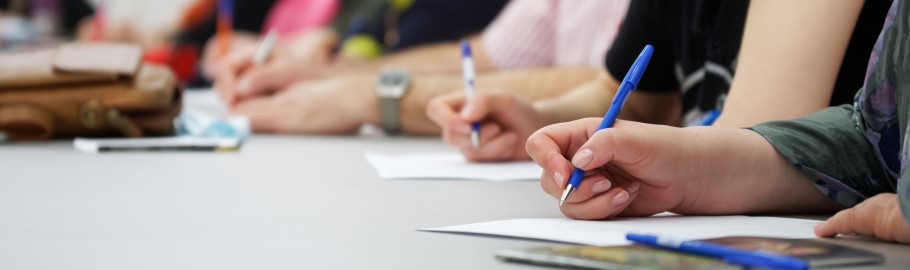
475 139
566 193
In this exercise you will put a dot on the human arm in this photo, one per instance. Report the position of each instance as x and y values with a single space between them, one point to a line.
593 99
637 169
789 60
307 58
433 58
352 99
850 173
508 119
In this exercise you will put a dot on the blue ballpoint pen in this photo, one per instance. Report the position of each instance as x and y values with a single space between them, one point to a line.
467 69
629 83
709 118
730 255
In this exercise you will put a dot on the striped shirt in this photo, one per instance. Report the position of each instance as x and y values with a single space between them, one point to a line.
541 33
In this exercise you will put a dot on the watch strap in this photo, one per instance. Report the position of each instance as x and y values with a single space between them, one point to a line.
388 108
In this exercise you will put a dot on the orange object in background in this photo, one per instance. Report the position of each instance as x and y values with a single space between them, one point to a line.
225 26
181 59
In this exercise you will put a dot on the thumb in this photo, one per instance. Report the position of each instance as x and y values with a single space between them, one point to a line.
264 79
617 144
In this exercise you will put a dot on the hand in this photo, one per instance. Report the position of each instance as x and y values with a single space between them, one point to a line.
634 169
879 216
298 58
339 105
507 121
211 61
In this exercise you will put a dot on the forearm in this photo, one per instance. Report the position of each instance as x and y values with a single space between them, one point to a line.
534 84
753 177
789 60
593 98
444 58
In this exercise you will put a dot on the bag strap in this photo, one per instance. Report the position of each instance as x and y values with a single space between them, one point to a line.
22 122
94 115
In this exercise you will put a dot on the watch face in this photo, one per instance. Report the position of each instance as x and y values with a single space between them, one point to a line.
393 83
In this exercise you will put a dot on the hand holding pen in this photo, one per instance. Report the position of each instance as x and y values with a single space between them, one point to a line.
629 83
467 69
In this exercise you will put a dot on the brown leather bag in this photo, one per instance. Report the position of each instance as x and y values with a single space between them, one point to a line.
85 89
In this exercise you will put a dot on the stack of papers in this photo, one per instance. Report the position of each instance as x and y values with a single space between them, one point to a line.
449 166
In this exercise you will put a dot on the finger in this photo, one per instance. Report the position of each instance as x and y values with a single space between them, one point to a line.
878 216
228 71
591 185
558 138
461 140
222 87
842 222
613 144
495 148
482 105
556 172
602 206
264 79
237 60
443 110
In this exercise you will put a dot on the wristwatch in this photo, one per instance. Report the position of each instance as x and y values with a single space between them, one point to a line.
392 84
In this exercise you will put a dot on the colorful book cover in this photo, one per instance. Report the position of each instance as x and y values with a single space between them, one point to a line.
639 257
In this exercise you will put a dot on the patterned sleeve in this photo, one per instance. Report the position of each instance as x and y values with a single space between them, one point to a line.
523 35
832 151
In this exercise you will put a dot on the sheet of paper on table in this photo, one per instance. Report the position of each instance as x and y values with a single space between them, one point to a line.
449 166
613 232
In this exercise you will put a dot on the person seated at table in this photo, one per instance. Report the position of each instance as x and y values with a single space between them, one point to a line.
851 158
540 48
789 65
362 30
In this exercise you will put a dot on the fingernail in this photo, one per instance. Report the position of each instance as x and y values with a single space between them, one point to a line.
583 157
633 187
620 198
817 225
601 186
558 178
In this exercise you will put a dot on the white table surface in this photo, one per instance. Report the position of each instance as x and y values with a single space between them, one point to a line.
282 202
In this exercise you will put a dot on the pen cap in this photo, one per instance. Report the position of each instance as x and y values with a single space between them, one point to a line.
465 48
639 66
226 7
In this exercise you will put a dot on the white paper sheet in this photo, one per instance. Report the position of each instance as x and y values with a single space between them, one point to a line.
613 232
449 166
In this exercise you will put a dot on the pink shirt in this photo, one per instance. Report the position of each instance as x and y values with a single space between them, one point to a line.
288 17
540 33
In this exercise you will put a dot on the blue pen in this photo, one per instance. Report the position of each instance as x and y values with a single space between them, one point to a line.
467 69
629 83
709 118
750 258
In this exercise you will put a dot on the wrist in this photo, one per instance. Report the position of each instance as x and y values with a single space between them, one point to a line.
368 110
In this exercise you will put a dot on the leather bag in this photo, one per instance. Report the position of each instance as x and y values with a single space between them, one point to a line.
86 90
